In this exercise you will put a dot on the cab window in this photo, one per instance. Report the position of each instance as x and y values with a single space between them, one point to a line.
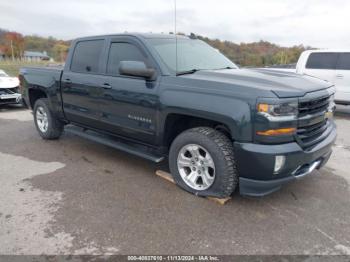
122 52
344 61
86 57
322 61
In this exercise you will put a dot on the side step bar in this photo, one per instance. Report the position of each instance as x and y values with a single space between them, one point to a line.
130 148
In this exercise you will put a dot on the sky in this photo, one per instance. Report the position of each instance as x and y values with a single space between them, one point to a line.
316 23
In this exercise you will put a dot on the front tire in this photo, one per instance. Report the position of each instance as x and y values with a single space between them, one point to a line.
48 126
202 162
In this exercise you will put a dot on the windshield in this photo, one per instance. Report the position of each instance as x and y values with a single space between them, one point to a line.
191 54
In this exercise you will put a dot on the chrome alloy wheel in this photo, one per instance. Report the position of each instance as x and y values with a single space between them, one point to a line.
42 119
196 167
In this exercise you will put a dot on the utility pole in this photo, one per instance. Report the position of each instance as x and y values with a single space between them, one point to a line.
13 56
175 32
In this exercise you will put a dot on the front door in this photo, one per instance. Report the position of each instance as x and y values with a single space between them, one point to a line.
129 104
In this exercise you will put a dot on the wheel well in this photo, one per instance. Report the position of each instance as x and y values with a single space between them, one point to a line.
177 123
34 95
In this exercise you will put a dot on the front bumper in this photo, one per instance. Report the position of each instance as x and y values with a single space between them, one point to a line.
255 164
6 99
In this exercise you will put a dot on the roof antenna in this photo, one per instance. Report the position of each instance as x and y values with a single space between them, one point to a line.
175 32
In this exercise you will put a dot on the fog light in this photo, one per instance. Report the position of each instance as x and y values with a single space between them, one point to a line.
279 163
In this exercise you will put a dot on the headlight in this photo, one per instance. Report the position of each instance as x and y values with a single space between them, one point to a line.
278 112
285 112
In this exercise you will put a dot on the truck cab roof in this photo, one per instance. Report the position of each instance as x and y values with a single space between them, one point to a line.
327 51
138 35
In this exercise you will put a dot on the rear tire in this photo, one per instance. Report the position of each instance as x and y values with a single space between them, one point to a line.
47 124
201 161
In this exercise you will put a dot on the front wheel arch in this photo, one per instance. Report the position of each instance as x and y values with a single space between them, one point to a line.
176 123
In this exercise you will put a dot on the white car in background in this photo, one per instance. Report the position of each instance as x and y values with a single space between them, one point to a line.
9 88
329 65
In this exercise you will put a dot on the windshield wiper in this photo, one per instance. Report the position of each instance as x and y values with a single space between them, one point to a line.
227 67
187 72
194 70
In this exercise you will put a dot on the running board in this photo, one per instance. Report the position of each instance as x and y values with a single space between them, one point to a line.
130 148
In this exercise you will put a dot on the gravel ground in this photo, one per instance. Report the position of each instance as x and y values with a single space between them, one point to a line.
73 196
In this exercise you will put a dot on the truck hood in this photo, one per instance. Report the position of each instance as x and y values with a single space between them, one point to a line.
282 84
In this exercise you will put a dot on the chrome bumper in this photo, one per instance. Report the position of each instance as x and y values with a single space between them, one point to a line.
301 171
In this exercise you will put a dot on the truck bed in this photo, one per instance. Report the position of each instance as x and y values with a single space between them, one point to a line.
47 77
44 78
41 69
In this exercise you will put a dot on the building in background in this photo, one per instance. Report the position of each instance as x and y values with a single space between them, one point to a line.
33 56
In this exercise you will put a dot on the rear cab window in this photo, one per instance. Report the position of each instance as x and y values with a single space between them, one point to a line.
86 57
322 61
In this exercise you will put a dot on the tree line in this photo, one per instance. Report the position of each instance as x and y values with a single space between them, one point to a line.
13 45
256 54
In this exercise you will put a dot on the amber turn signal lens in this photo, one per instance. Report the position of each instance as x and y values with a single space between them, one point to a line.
276 132
263 108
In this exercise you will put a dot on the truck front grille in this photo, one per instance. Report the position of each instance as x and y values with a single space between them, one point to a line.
313 106
310 135
313 126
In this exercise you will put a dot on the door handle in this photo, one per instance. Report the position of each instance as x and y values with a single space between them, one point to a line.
68 82
340 76
106 86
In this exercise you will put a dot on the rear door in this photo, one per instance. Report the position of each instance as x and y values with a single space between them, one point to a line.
81 83
342 80
322 65
129 104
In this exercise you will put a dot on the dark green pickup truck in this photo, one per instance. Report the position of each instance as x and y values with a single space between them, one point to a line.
158 97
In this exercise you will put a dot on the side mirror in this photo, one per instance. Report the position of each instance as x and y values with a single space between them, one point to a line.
136 68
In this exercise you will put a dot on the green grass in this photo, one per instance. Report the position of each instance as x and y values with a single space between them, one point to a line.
12 67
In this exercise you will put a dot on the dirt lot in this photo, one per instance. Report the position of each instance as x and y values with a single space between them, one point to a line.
73 196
